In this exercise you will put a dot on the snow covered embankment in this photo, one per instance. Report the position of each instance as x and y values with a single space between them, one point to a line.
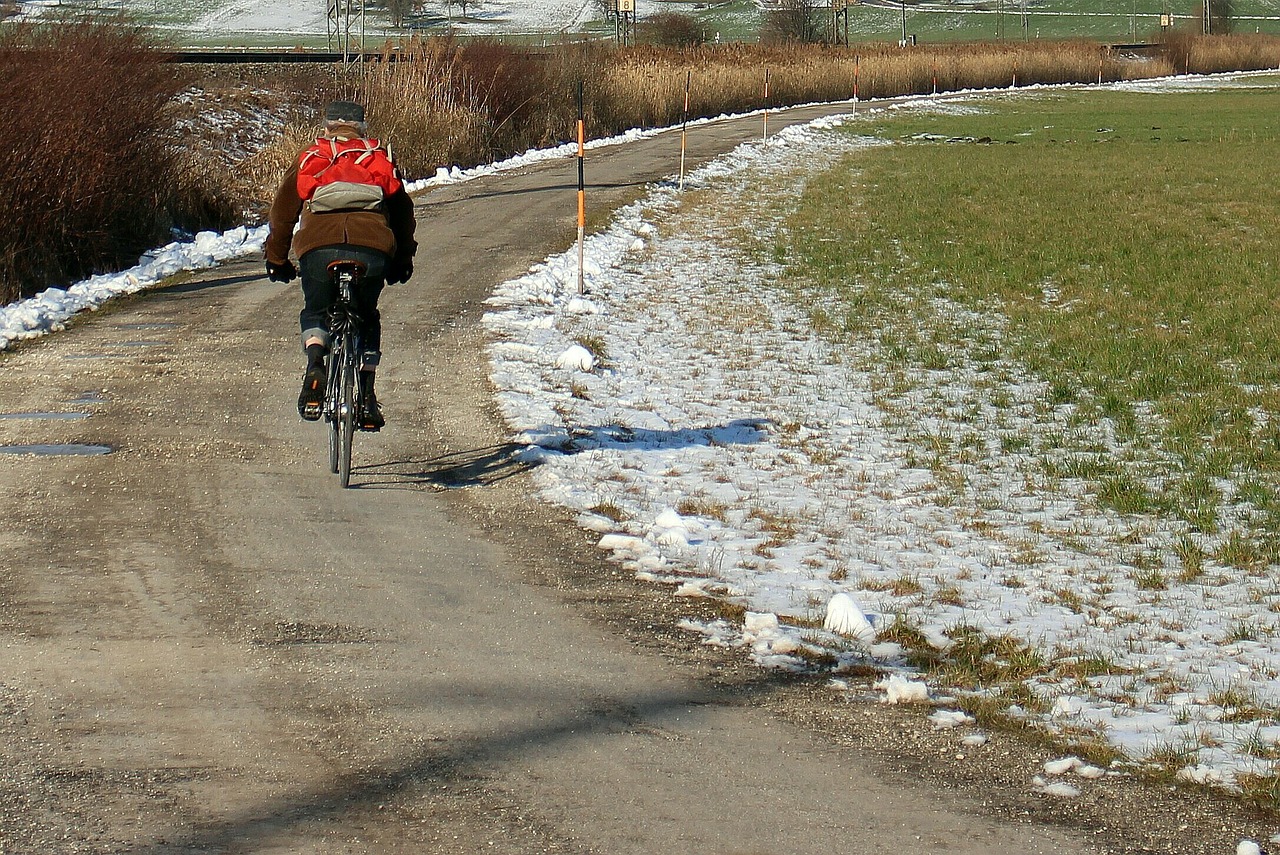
689 413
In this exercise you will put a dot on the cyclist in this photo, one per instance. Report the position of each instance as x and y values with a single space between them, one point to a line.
375 227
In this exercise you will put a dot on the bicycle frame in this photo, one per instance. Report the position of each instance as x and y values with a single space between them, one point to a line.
341 399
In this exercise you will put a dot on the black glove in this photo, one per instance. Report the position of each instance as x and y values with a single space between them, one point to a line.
281 272
399 271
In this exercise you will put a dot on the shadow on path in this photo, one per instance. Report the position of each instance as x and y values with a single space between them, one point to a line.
474 468
370 787
206 284
554 188
575 440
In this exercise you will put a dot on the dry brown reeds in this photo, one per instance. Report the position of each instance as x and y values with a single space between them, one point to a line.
85 164
645 86
1191 54
426 104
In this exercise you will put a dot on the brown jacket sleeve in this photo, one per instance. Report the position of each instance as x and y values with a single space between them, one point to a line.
399 208
285 210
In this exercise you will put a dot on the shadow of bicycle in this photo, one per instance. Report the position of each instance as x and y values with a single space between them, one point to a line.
575 440
476 467
481 467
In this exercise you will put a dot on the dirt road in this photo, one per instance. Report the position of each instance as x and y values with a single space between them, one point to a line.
209 647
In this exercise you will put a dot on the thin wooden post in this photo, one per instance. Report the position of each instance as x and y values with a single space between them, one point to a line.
684 123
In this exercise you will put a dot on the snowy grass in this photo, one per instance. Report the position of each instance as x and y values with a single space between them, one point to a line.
1126 245
779 423
1093 323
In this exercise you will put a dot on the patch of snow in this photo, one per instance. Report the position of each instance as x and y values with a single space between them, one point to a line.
1058 789
900 690
948 719
845 616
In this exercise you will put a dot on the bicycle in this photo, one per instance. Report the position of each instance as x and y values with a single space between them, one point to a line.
343 405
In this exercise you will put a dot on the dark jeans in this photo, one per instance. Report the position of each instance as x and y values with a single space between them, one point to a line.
319 292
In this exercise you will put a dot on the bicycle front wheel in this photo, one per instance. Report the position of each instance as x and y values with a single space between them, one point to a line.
333 445
333 404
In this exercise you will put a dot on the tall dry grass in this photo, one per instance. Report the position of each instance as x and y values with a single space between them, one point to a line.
85 160
646 85
443 103
427 104
1190 54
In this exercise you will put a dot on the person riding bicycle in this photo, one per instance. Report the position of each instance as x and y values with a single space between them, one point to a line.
352 205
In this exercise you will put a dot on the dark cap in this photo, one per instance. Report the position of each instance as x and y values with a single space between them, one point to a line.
344 111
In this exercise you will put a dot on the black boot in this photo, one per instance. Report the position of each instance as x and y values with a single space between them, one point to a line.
370 413
311 400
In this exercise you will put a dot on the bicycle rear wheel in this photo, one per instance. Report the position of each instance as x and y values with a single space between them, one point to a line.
345 423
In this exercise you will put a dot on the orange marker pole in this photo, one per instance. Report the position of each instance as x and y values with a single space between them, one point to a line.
684 123
935 78
582 192
857 72
766 103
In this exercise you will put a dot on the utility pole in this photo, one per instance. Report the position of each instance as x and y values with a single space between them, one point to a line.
338 19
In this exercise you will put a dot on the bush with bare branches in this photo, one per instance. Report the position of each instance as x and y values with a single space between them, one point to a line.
85 161
674 29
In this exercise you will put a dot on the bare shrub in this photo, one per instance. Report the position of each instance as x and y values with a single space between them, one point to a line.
85 161
507 84
793 21
674 29
399 10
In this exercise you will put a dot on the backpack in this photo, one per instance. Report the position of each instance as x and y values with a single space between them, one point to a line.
346 175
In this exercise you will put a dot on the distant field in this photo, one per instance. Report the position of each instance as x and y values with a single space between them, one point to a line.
303 22
990 19
1129 241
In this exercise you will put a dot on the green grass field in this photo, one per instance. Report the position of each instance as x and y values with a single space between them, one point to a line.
1128 241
